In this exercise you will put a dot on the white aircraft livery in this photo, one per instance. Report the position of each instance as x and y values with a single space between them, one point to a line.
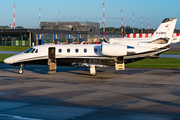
97 55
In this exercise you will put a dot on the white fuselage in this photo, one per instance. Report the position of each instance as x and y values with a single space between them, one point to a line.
76 51
91 51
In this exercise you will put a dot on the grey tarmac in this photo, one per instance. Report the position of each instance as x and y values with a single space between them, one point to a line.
72 94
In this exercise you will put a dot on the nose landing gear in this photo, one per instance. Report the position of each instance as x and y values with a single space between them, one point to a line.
20 71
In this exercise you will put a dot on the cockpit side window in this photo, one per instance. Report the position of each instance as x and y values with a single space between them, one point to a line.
36 51
28 50
32 51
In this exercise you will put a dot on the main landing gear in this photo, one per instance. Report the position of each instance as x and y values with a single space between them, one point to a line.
92 70
20 71
92 67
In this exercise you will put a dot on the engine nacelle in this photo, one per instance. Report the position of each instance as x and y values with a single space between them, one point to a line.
114 50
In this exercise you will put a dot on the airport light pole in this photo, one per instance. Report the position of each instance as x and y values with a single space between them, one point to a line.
153 27
103 19
141 25
133 22
122 23
14 15
148 25
39 18
58 16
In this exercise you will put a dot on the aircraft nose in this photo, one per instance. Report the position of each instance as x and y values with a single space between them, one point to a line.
9 60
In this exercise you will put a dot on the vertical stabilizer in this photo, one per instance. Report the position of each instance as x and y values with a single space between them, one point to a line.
165 30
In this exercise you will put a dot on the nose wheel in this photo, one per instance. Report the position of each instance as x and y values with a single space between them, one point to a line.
20 71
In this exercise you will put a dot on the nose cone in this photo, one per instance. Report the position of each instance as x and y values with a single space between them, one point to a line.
9 60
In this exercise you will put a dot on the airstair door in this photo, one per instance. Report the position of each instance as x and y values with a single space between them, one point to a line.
52 60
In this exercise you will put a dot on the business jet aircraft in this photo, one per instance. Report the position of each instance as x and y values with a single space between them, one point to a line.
97 55
127 39
130 40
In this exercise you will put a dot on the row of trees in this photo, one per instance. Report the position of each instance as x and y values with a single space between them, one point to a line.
128 29
7 27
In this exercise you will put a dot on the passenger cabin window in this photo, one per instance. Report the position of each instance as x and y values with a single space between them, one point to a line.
60 50
76 50
95 50
85 50
68 50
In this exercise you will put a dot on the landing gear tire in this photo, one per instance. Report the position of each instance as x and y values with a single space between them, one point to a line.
93 74
20 71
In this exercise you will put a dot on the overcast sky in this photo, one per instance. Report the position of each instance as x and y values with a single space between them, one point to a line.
27 11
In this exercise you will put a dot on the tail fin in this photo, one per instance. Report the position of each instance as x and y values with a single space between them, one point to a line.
165 30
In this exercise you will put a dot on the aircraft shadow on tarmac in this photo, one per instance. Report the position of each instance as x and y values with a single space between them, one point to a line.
42 69
131 71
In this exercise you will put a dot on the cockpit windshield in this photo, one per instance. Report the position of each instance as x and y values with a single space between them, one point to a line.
28 50
31 50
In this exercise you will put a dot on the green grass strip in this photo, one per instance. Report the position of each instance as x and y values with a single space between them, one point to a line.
172 52
13 48
4 56
161 63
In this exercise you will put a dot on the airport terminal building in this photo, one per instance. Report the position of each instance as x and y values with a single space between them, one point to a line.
31 37
54 32
51 32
